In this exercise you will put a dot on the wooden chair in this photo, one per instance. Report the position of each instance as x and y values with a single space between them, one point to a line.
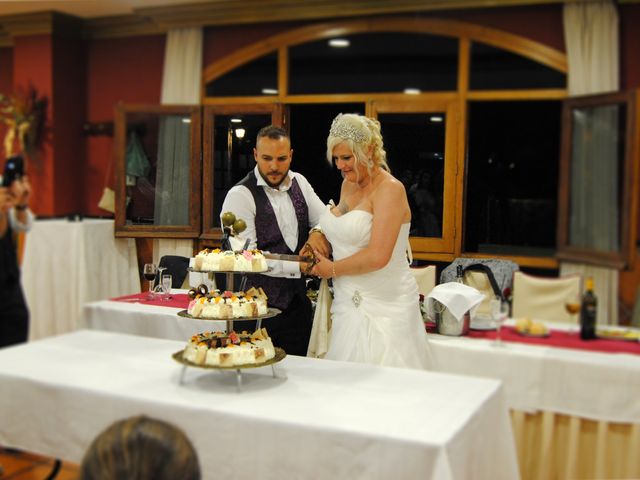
544 298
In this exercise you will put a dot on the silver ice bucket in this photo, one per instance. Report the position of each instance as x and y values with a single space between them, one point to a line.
447 324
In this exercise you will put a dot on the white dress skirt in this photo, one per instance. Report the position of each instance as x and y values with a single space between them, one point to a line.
375 316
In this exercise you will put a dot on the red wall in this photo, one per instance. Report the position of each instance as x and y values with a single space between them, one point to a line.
125 70
68 110
33 65
6 70
541 23
629 46
6 83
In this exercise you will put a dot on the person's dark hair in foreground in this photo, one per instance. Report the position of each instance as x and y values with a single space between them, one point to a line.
140 448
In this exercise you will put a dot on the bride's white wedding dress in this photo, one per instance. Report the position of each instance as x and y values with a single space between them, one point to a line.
375 316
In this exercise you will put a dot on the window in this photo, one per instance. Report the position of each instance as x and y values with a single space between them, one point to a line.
230 133
597 210
497 69
157 171
375 62
512 177
258 77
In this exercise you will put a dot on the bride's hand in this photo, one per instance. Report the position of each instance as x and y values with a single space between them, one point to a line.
323 267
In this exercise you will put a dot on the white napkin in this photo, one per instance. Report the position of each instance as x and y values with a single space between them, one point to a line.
321 329
457 297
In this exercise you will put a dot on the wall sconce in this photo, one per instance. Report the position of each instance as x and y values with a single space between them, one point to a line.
240 132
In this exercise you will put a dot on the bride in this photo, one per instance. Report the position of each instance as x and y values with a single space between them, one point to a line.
375 312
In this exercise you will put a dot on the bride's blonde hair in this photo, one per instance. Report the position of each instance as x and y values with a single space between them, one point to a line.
362 135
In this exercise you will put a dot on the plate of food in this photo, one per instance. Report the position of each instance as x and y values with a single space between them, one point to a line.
530 328
219 350
272 312
180 358
613 333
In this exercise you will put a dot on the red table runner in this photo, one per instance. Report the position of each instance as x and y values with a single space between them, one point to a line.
558 338
177 300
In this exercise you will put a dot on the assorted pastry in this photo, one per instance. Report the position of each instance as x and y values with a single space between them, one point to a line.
225 305
217 260
220 349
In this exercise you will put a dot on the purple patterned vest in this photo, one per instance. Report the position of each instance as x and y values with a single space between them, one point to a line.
269 237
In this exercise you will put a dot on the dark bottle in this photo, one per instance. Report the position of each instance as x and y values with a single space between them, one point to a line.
588 313
459 274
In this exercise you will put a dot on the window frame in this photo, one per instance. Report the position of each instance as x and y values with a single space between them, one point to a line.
211 230
192 230
629 213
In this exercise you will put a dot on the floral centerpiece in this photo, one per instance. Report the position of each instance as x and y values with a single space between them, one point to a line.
24 114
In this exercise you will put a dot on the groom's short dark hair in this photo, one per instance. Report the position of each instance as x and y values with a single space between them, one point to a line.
272 131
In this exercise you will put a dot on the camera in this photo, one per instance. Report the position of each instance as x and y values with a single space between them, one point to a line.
13 170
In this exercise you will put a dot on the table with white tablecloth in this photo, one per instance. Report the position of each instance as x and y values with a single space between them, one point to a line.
572 410
315 419
140 318
68 263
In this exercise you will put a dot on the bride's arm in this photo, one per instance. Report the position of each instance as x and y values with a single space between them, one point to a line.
389 211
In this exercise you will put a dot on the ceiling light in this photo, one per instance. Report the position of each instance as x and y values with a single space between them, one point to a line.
240 132
412 91
339 42
186 120
436 118
236 120
269 91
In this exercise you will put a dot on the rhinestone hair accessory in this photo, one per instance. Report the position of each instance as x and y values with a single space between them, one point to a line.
340 129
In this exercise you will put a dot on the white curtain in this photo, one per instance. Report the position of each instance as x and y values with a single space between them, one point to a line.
180 86
591 37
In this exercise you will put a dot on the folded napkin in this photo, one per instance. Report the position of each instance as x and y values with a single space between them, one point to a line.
321 329
457 297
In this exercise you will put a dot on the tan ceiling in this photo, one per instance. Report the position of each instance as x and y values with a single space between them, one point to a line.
87 8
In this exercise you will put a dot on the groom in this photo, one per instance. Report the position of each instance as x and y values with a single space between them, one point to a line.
279 207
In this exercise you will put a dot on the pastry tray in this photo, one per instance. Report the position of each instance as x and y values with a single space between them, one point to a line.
237 272
271 313
280 354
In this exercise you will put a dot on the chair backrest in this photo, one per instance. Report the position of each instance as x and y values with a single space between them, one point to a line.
177 266
544 298
426 278
480 281
502 271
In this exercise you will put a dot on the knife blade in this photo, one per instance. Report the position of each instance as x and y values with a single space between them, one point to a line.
290 258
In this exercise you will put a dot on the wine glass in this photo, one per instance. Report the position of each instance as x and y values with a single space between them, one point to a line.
167 280
499 313
149 271
572 305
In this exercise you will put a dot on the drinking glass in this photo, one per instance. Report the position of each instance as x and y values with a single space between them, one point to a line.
166 286
150 271
572 305
499 313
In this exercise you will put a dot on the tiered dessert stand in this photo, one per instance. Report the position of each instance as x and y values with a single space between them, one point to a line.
272 312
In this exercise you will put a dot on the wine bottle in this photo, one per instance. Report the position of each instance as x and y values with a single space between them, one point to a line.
459 274
588 313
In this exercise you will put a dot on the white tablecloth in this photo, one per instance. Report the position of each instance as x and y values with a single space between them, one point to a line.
141 319
597 386
67 264
592 385
327 419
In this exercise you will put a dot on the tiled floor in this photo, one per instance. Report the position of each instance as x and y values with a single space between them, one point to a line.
28 466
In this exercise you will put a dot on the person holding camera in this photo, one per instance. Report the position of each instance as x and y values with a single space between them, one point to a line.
15 216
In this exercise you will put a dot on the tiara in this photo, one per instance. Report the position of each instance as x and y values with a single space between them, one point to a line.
345 131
